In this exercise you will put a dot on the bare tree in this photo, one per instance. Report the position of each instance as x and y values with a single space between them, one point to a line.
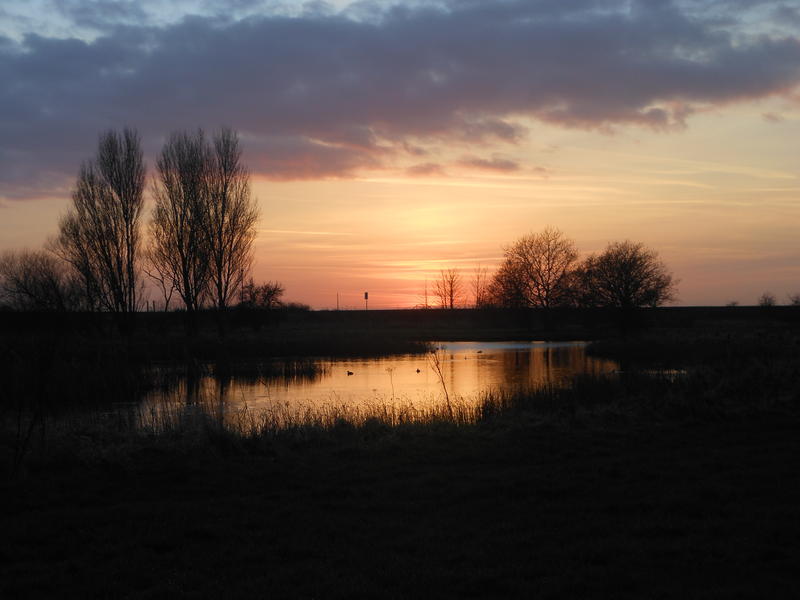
73 245
536 269
626 275
36 280
267 295
232 218
448 288
767 300
480 286
120 160
794 299
100 235
179 247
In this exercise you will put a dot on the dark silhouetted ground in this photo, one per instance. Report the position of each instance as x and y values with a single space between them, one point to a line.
504 510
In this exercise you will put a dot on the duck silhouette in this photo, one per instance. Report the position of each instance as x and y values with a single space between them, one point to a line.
349 373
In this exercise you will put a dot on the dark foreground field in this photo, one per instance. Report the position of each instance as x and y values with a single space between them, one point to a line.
678 478
700 511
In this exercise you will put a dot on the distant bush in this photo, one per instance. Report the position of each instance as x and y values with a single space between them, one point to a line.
297 306
266 295
37 280
767 300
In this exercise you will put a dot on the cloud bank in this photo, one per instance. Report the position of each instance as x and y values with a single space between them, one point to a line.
325 93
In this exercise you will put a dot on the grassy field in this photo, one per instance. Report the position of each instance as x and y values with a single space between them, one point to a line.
676 478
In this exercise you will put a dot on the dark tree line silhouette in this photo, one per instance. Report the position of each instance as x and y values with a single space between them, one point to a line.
542 270
202 229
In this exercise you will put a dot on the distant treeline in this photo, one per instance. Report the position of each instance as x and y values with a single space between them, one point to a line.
542 270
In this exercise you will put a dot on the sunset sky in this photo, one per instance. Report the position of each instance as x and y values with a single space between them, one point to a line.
388 140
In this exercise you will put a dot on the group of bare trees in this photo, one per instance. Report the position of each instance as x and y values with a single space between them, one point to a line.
450 289
543 270
266 295
202 230
204 219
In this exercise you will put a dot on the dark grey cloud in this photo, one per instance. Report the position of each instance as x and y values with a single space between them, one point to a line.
787 14
319 94
298 157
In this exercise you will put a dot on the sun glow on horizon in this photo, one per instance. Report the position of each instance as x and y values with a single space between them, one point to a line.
371 182
696 197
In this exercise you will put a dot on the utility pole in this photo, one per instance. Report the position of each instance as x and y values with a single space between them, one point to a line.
366 300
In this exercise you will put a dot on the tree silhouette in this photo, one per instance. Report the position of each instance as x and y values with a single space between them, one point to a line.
232 218
448 288
179 246
266 295
158 271
480 286
36 280
535 271
625 275
204 219
100 235
506 287
767 300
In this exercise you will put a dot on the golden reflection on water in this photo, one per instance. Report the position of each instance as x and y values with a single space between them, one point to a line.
468 370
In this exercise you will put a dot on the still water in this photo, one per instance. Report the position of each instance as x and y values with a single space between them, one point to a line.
465 370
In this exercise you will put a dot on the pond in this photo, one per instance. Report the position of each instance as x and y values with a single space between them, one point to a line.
459 372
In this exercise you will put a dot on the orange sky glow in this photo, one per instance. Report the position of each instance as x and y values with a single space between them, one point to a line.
722 213
383 147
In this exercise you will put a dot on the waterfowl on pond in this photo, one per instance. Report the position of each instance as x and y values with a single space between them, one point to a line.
418 371
349 372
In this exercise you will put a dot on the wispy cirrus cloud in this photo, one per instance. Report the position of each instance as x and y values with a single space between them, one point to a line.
426 169
489 164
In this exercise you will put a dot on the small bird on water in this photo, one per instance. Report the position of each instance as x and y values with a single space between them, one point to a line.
349 373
